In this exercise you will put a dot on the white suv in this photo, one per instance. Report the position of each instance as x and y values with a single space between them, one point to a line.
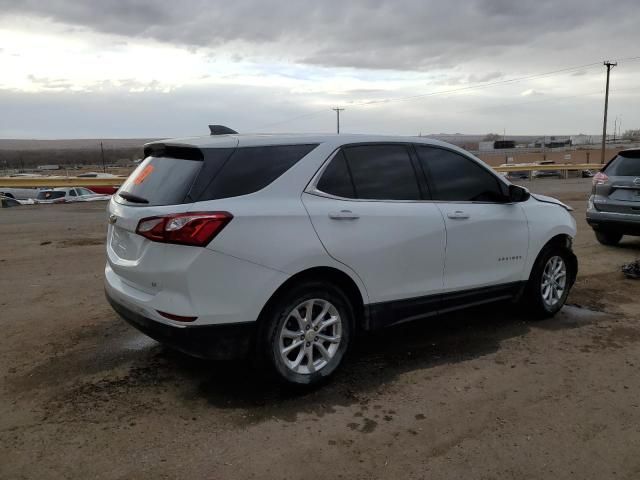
287 246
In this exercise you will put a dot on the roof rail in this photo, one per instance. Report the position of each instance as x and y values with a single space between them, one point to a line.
220 130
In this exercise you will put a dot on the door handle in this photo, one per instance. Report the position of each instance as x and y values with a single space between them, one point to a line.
344 215
458 215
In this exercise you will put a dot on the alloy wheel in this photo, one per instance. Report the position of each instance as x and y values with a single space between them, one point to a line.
554 281
310 336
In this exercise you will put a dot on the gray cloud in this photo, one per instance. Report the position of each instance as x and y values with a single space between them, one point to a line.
115 112
403 34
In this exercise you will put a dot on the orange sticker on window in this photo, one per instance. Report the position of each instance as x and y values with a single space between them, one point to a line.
142 176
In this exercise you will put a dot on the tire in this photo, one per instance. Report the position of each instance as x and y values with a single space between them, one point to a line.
280 321
608 238
546 292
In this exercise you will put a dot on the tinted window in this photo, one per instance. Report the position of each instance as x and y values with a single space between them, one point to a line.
250 169
456 178
382 172
50 195
336 179
625 166
72 193
160 181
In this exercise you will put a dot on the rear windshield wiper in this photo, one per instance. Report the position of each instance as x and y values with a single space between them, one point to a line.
132 198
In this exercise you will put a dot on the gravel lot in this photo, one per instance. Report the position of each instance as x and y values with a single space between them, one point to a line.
479 394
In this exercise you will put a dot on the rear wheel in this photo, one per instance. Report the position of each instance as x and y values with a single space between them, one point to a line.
307 333
608 238
550 281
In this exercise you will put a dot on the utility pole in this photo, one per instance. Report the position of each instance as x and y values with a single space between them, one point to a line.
609 66
615 128
338 110
104 167
620 128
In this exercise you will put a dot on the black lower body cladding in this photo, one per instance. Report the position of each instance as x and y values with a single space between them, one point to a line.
216 342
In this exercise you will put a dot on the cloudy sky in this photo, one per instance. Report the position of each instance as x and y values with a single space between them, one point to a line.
155 68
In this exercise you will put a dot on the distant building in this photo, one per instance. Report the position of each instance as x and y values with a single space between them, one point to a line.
553 142
485 146
504 144
581 139
48 167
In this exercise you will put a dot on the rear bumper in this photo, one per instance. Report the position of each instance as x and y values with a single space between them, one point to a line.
218 342
626 224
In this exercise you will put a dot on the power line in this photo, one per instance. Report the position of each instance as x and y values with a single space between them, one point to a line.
515 104
447 92
476 87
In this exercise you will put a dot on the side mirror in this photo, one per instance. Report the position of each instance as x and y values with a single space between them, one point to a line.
518 194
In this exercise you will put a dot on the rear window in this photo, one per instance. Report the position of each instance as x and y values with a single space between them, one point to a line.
627 165
50 195
211 174
250 169
159 181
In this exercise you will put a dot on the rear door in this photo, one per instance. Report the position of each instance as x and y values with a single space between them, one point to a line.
368 209
487 238
621 192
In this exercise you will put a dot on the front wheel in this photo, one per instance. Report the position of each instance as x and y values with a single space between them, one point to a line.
307 333
551 279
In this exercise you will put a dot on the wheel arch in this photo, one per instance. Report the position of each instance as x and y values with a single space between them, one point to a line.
561 240
330 275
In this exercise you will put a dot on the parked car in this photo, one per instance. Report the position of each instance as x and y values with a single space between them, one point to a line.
68 194
519 175
286 247
547 174
103 189
614 205
6 202
19 193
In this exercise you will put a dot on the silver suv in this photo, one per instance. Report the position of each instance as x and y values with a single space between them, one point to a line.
614 204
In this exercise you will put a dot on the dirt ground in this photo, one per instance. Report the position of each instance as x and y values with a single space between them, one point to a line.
481 394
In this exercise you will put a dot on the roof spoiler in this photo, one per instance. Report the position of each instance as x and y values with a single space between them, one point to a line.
221 130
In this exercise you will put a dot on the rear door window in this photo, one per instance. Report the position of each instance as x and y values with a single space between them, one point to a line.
382 172
627 165
336 179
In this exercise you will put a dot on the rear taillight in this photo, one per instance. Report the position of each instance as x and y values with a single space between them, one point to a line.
600 178
193 228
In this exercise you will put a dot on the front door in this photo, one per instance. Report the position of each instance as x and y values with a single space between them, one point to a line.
487 237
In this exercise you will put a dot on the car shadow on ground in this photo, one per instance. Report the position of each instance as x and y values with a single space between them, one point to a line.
375 361
110 368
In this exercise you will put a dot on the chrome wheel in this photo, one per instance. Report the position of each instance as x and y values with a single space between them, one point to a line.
554 281
310 336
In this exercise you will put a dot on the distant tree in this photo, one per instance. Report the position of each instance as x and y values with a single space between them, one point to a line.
491 137
631 135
